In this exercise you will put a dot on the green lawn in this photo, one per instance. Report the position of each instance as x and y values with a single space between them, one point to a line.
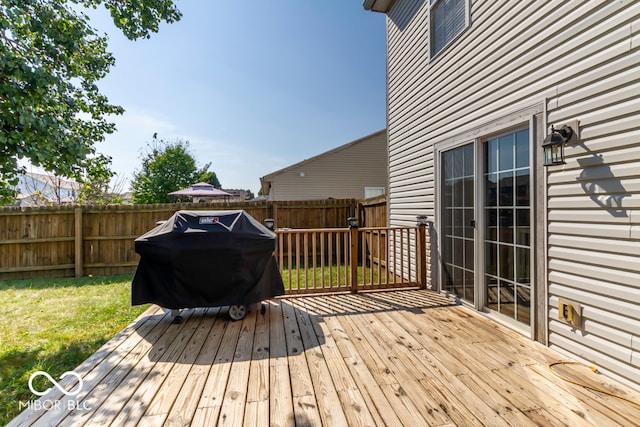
53 325
334 276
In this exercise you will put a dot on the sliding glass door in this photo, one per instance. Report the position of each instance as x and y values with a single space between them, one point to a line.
489 268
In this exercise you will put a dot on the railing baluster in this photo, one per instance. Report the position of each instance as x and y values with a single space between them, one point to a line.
289 261
298 261
330 242
408 255
394 270
313 257
322 260
305 245
281 252
402 255
378 235
345 242
366 261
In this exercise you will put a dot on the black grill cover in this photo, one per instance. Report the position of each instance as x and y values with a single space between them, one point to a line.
206 259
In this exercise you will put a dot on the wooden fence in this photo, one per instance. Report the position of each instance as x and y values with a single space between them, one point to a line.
80 241
373 212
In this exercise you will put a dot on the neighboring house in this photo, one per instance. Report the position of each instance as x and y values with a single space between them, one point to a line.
127 197
473 88
354 170
38 189
236 194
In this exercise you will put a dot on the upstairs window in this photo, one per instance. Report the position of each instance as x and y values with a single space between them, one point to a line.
448 19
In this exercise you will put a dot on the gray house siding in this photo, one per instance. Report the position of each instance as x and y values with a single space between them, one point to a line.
343 172
558 61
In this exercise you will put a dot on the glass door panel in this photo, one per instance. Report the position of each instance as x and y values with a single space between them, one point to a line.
457 213
507 211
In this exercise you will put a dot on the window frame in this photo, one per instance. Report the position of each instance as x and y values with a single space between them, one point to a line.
432 5
526 117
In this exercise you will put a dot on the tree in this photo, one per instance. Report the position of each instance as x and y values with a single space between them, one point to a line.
249 195
204 175
95 184
51 111
168 166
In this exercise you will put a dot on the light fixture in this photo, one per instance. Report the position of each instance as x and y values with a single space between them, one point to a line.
269 223
352 221
553 145
421 220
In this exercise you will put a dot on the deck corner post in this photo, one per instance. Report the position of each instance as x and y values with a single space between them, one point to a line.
422 254
422 223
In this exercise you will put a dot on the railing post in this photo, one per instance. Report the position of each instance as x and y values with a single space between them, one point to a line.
270 224
353 255
422 250
79 252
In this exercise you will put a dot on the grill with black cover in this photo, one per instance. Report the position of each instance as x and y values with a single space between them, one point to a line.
206 259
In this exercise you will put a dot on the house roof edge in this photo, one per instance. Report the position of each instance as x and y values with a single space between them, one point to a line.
326 153
381 6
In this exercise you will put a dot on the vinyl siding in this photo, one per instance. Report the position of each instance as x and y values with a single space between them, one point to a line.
581 60
341 173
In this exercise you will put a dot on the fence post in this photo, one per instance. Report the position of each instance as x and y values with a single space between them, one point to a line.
274 210
79 252
353 255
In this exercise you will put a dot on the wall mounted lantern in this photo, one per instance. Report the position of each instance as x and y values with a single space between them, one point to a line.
422 221
553 145
269 223
352 221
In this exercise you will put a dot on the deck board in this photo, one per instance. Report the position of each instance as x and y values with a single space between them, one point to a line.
257 406
407 357
280 396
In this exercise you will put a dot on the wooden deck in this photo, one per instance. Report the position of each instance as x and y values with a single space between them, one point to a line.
386 358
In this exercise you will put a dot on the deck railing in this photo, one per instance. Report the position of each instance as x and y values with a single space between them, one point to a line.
352 259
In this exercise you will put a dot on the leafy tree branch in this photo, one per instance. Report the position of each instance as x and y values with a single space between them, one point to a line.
51 110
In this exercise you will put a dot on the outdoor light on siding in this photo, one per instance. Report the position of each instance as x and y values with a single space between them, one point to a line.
553 145
269 223
352 221
421 220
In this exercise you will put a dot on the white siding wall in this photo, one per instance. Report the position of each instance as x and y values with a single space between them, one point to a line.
341 173
580 58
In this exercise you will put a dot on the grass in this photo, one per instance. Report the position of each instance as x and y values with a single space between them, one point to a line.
333 276
53 325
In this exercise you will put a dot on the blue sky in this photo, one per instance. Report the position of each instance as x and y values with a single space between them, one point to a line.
255 86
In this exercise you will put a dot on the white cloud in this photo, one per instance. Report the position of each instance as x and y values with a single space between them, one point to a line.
142 122
134 129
